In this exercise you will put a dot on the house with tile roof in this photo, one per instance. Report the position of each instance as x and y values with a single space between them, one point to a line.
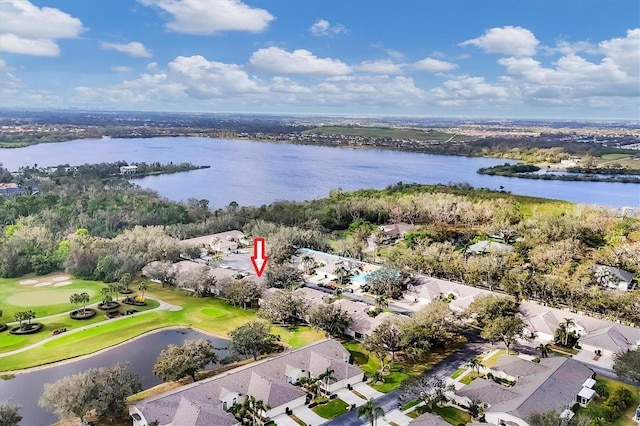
271 381
553 384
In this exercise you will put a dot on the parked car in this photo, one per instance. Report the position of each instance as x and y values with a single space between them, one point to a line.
330 286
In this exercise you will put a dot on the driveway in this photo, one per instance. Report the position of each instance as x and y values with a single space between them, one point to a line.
396 417
349 397
309 417
367 391
284 420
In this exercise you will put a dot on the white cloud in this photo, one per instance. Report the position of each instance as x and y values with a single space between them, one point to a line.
31 30
434 65
472 91
624 52
383 66
121 68
278 61
322 27
134 48
509 40
205 17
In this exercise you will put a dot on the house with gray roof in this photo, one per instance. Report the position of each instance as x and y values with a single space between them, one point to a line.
271 381
553 384
614 278
428 419
486 246
594 333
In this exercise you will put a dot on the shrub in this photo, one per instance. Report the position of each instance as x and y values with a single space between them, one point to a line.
536 360
601 389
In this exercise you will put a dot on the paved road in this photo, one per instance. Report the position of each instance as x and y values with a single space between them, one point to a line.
359 298
390 401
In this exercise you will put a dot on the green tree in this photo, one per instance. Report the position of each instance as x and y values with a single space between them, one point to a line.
284 307
343 275
330 318
505 329
252 338
388 282
627 364
104 390
370 411
84 299
284 276
307 262
177 362
9 415
475 364
142 287
381 302
75 299
491 307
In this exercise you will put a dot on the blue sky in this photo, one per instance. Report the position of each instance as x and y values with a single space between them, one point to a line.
472 58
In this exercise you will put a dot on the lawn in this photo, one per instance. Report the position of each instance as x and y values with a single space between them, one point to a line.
206 314
627 416
332 409
383 132
451 415
458 372
470 377
491 361
399 371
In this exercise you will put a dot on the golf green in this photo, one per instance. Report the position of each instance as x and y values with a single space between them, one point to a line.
45 297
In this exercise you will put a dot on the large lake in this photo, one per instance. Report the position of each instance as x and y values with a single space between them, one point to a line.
25 389
255 173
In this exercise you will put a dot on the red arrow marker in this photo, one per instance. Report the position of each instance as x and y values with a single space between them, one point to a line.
259 258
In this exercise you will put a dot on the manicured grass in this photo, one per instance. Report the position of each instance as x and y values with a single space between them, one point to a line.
614 157
410 404
15 297
207 314
558 348
383 132
297 420
458 372
491 361
451 415
626 417
470 377
332 409
399 371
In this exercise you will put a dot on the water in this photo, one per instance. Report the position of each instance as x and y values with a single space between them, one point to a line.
141 354
255 173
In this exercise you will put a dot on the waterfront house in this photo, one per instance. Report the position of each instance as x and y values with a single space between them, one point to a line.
128 170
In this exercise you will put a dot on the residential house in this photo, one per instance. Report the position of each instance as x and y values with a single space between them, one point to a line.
362 324
221 242
10 189
430 289
614 278
486 246
428 419
594 334
128 170
554 384
271 381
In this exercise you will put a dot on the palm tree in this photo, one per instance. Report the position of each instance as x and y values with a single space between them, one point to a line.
113 288
307 260
381 302
568 322
106 293
475 364
370 412
29 315
342 274
125 281
84 299
75 299
326 377
19 316
142 287
544 350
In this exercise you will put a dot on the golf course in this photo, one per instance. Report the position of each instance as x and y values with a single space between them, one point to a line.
165 307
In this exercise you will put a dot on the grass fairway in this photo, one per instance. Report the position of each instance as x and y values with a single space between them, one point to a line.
15 297
210 315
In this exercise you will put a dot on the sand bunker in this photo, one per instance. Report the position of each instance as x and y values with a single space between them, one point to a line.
59 278
28 282
62 283
43 284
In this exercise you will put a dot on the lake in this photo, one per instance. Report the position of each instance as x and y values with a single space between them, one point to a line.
256 173
25 389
